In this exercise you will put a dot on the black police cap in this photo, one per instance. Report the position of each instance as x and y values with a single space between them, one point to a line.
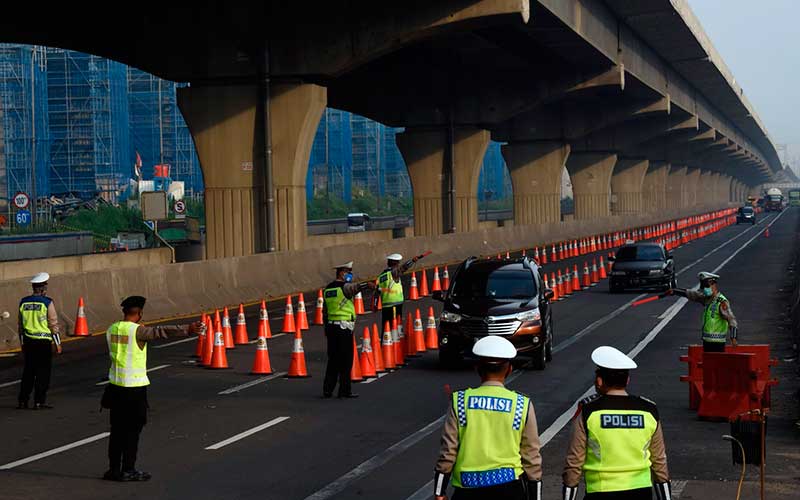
134 301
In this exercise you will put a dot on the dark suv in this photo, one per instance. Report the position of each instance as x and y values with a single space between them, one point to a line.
496 297
746 214
642 265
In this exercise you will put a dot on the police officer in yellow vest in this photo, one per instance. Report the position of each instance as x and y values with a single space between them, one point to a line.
126 393
340 319
617 441
391 287
718 319
490 443
38 333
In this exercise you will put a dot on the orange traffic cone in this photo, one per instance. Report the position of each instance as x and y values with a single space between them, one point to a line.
387 347
413 294
379 305
595 276
410 338
355 369
766 232
524 252
227 331
567 282
376 352
576 282
219 359
81 326
358 303
240 336
208 346
423 286
546 281
587 280
437 285
367 359
431 335
560 285
297 367
398 341
201 338
288 317
554 287
261 364
445 279
419 333
301 322
555 257
320 306
602 269
263 321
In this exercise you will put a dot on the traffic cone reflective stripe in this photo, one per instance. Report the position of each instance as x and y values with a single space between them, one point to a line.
445 279
423 286
81 325
297 367
355 369
431 335
413 294
320 306
261 364
263 322
419 333
387 347
227 331
288 317
240 336
437 285
358 304
201 339
367 359
301 323
376 352
208 345
219 358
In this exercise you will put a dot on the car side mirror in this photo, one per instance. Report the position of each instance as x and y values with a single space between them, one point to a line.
439 295
549 294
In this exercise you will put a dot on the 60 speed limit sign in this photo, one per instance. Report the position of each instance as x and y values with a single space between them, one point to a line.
21 200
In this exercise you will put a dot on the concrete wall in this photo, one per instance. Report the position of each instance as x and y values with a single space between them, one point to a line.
78 263
175 289
43 246
329 240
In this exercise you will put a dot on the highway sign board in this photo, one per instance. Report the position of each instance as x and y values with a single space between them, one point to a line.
23 217
154 205
21 200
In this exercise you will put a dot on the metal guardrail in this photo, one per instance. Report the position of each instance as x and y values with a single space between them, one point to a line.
336 226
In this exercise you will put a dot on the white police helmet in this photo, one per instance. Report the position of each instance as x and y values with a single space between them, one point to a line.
394 256
494 347
40 278
611 358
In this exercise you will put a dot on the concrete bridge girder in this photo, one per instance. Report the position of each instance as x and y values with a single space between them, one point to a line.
627 184
536 169
590 173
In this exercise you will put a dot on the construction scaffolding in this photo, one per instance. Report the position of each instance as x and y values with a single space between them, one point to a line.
24 141
88 108
494 181
330 166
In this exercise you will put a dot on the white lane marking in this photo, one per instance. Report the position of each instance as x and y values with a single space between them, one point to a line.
181 341
8 384
595 325
242 435
54 451
677 488
270 338
252 383
380 375
159 367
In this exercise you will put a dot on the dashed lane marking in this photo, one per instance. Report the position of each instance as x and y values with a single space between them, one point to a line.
252 383
250 432
155 368
9 384
54 451
380 375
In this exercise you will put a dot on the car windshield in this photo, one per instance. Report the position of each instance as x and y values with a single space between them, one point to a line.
355 220
495 284
746 210
634 253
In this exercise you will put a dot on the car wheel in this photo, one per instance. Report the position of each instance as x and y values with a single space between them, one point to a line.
548 350
539 358
449 358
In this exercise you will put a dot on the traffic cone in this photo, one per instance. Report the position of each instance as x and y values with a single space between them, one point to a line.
546 281
595 275
431 336
288 317
560 285
376 353
499 257
320 306
508 255
263 321
610 263
567 282
766 232
554 287
201 338
358 303
602 269
261 364
297 367
240 336
437 285
398 342
554 256
81 326
219 359
301 322
227 331
524 252
536 256
387 347
410 338
587 280
419 333
413 294
576 282
423 285
355 369
208 346
367 359
445 279
380 305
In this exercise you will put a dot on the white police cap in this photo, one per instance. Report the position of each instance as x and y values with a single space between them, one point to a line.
394 256
611 358
40 278
703 275
346 265
494 347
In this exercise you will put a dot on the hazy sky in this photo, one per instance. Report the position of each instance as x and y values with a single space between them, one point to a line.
759 41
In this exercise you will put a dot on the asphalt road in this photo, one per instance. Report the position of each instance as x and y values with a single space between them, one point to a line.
278 439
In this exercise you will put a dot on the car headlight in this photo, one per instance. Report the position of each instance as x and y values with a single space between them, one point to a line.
656 272
617 273
533 315
449 317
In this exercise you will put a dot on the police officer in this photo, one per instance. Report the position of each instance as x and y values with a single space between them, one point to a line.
126 393
340 320
718 318
38 332
617 440
490 442
391 287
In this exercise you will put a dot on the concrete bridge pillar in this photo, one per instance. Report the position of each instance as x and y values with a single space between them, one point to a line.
626 185
692 182
424 152
676 187
716 186
591 174
536 169
654 186
705 190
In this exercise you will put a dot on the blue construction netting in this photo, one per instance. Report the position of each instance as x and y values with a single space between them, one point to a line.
494 183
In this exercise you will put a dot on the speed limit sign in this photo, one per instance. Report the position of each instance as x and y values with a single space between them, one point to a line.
21 200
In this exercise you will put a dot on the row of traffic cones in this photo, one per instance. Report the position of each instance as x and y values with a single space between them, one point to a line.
419 289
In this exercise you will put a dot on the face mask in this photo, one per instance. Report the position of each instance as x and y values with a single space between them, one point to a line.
348 277
707 292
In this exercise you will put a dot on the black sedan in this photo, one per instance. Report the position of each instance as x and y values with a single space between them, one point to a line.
642 265
746 215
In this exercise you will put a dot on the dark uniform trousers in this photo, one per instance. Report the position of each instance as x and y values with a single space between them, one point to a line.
637 494
713 346
128 416
388 315
340 359
38 361
515 490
